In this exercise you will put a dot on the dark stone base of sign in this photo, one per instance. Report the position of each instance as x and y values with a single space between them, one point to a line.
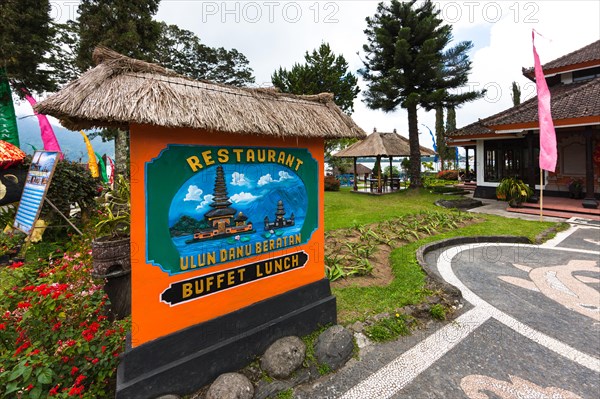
184 361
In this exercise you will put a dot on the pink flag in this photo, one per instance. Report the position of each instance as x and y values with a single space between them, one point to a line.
48 137
547 133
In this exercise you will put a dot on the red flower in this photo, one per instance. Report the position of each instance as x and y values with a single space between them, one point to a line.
95 360
54 390
76 390
71 342
35 352
80 379
103 348
56 326
29 387
65 359
21 348
74 370
24 305
2 326
16 265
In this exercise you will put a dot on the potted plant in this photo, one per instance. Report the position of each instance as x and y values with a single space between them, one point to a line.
111 251
514 191
10 245
576 188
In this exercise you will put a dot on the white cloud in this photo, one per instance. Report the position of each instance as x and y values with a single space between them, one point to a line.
207 200
283 175
243 197
239 179
193 193
266 179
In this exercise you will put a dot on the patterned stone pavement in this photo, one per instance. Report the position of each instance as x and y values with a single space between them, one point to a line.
531 329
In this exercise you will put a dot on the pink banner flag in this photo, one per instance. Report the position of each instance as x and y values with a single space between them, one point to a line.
48 136
547 134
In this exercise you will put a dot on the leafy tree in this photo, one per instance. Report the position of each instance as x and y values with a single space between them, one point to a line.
25 38
395 171
407 65
126 27
182 51
323 72
516 94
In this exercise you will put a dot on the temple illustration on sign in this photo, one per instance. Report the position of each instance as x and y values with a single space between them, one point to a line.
222 220
280 221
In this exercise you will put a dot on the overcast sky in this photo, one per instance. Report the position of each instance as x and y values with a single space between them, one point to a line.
278 33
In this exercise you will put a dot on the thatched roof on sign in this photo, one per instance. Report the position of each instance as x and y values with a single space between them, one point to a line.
121 90
381 144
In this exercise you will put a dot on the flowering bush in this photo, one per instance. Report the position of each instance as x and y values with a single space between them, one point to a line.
448 175
10 242
332 184
55 340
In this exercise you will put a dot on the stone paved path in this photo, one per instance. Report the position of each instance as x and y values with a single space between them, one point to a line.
531 329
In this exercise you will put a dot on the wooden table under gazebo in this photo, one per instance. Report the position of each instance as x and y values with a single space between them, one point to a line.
379 144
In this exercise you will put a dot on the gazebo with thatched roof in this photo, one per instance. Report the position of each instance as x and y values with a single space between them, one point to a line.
379 144
199 288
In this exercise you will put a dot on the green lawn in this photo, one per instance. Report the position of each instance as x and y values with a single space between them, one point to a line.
344 209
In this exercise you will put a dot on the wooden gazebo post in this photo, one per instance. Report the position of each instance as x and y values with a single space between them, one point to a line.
379 174
355 181
391 175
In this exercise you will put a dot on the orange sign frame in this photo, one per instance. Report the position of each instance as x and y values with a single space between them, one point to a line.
153 318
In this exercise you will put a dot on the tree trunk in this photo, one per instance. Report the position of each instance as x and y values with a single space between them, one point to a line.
122 153
439 134
415 152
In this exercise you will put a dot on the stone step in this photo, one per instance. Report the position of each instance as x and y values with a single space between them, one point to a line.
553 213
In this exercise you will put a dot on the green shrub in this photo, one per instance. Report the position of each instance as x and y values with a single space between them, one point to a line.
388 329
332 184
438 311
513 190
72 185
54 339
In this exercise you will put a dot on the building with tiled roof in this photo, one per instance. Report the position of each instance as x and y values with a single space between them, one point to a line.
507 144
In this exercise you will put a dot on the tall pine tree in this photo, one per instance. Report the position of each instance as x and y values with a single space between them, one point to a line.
407 65
323 72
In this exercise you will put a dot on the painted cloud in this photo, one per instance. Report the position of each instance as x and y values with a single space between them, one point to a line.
243 197
193 193
239 179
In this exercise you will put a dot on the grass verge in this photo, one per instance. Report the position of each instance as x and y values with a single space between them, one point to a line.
344 209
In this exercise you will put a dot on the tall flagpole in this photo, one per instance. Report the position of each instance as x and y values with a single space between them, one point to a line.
541 195
548 152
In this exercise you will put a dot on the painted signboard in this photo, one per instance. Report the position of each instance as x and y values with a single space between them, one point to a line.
36 185
224 223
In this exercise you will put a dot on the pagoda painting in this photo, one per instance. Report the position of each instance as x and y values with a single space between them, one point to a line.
222 220
280 221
